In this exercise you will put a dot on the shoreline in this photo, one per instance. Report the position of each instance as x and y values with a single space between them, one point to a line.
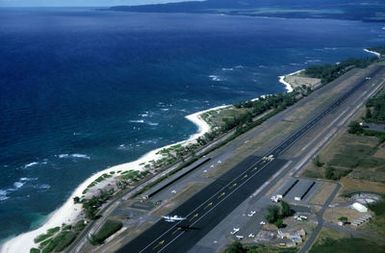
69 212
288 86
372 52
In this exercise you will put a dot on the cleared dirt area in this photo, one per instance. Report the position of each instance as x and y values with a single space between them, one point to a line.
321 196
353 185
300 80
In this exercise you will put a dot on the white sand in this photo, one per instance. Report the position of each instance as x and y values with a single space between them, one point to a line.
70 212
287 85
373 52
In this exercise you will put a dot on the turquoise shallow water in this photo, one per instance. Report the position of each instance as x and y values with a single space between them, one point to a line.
81 90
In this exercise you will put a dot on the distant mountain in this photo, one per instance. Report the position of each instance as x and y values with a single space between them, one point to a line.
369 10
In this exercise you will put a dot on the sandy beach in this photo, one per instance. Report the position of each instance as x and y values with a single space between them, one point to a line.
70 212
287 85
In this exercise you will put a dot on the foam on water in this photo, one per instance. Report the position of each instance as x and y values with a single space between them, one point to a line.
18 185
140 121
30 165
3 195
83 156
28 178
215 78
42 186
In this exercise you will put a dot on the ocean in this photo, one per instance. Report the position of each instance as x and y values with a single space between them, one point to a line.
82 89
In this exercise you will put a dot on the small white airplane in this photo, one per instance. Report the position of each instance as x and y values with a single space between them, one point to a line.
235 230
239 237
251 235
251 213
173 218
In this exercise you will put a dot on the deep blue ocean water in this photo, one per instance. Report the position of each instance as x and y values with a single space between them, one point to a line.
81 90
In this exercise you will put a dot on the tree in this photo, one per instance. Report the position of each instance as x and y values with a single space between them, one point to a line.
368 113
272 213
285 209
236 247
76 200
343 219
317 162
355 128
330 173
279 223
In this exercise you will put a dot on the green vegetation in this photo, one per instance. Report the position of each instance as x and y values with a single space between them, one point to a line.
347 245
376 109
379 220
357 161
108 229
91 206
317 162
336 174
59 242
50 233
375 113
57 239
276 214
76 200
237 247
79 226
330 72
343 219
355 128
98 180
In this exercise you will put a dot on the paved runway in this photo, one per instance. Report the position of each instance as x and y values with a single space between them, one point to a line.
201 210
208 207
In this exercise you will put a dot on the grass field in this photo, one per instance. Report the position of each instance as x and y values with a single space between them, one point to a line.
330 241
352 156
347 245
378 223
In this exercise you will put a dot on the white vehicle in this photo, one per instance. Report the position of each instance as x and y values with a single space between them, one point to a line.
173 218
239 237
251 213
268 158
300 217
173 191
276 198
368 78
262 223
251 235
219 162
235 230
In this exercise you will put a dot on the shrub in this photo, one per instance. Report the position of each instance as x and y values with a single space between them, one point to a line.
343 219
236 247
355 128
108 229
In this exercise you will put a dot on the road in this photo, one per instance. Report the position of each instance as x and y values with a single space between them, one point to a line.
309 242
207 208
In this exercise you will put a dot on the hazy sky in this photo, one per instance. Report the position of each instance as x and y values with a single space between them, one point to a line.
79 2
